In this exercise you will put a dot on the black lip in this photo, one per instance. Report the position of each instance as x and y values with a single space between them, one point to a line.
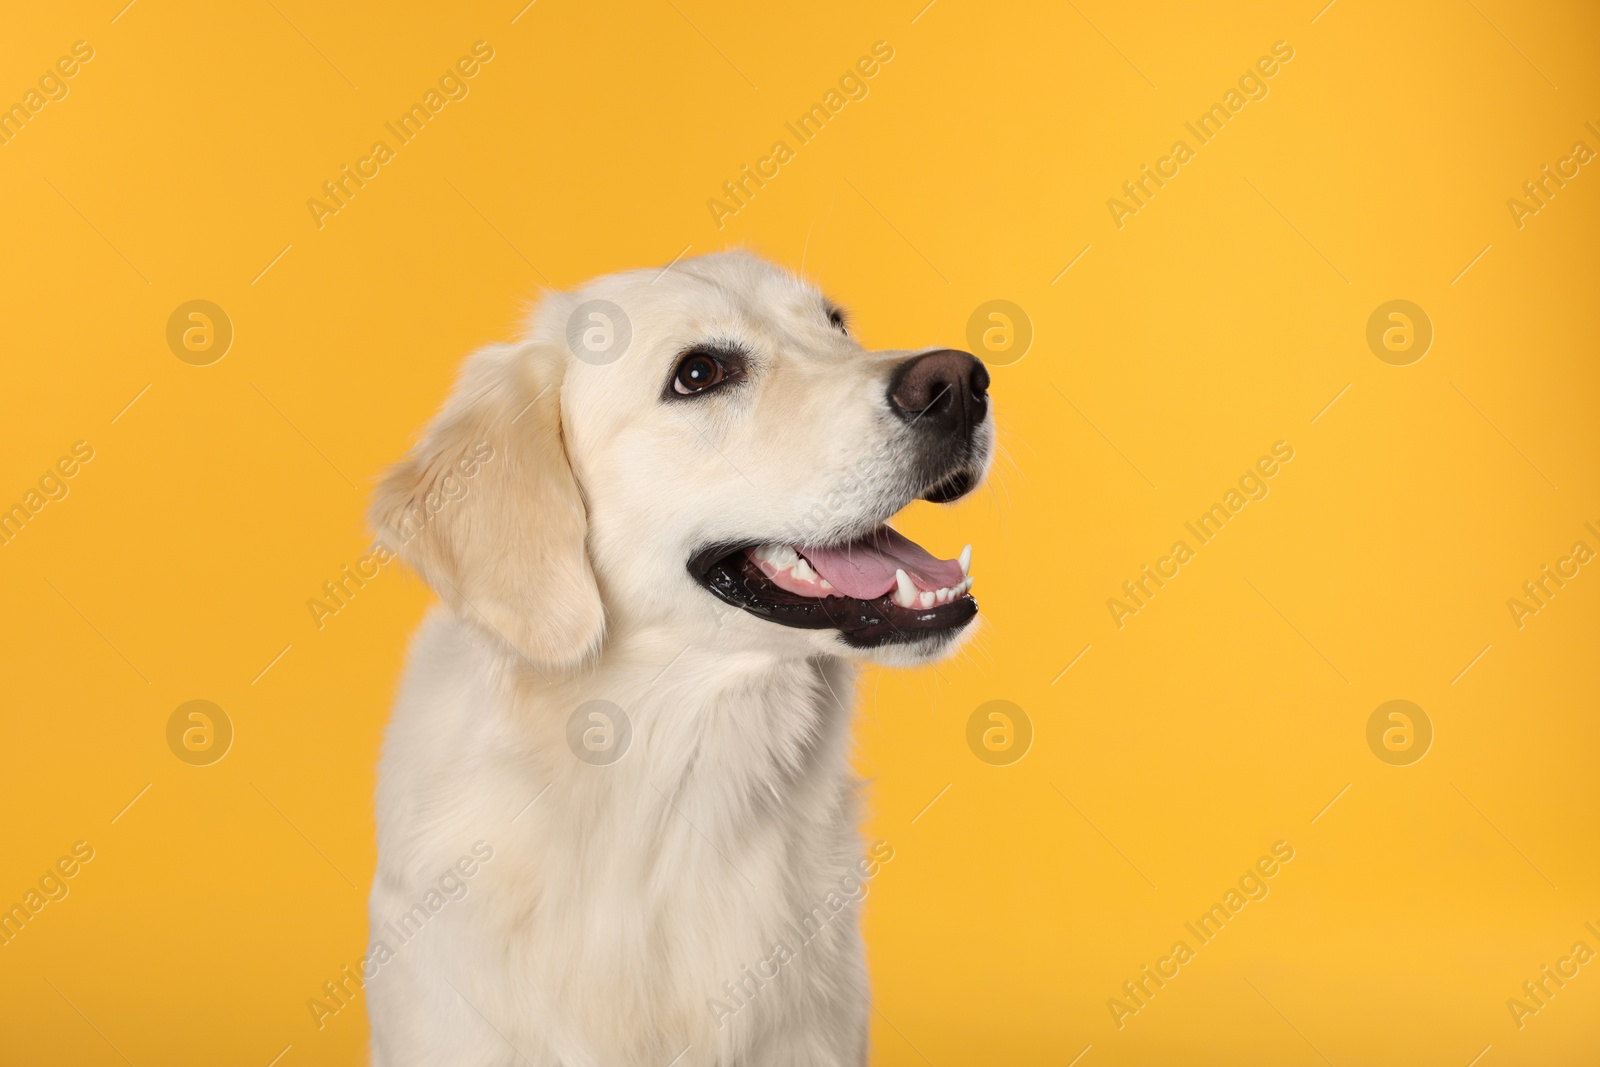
729 574
953 487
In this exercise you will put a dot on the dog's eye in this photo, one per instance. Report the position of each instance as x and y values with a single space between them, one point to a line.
697 372
836 320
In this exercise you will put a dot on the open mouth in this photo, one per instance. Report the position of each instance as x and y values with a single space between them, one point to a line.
878 589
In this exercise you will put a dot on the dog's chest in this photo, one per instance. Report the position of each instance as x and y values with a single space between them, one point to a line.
679 907
664 880
692 886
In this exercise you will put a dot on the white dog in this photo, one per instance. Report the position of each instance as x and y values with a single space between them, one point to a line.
616 818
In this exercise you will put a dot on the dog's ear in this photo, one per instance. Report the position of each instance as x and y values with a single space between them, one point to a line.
486 509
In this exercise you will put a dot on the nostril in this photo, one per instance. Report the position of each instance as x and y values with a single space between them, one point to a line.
941 385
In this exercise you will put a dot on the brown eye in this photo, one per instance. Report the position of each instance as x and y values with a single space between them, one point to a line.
697 372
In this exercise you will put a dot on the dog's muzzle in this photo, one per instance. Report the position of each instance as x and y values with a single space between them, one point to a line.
943 397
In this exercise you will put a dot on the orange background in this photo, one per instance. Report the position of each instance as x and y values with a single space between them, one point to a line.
1224 316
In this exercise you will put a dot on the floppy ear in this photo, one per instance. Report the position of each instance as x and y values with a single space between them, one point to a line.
486 509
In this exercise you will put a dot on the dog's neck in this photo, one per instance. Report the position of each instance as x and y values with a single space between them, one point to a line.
738 729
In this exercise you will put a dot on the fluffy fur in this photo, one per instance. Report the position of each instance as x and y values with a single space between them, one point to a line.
552 506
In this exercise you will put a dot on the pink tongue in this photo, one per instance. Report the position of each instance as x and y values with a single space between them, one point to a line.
865 569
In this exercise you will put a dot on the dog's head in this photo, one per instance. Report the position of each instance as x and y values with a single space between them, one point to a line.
704 449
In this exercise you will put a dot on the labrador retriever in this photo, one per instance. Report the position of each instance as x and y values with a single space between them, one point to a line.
617 825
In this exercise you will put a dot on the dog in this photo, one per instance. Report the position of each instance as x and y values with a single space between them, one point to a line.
616 819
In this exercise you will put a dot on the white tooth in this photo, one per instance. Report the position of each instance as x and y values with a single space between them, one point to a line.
803 570
827 586
783 555
965 559
941 596
927 600
905 594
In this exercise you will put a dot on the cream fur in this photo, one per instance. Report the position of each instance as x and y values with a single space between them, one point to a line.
621 898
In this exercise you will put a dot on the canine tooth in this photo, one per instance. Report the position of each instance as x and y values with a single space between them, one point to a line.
827 586
802 569
927 600
965 559
905 594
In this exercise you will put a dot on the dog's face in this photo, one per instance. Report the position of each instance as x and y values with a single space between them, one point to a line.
730 458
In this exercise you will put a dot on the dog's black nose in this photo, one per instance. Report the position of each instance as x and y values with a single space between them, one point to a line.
944 391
